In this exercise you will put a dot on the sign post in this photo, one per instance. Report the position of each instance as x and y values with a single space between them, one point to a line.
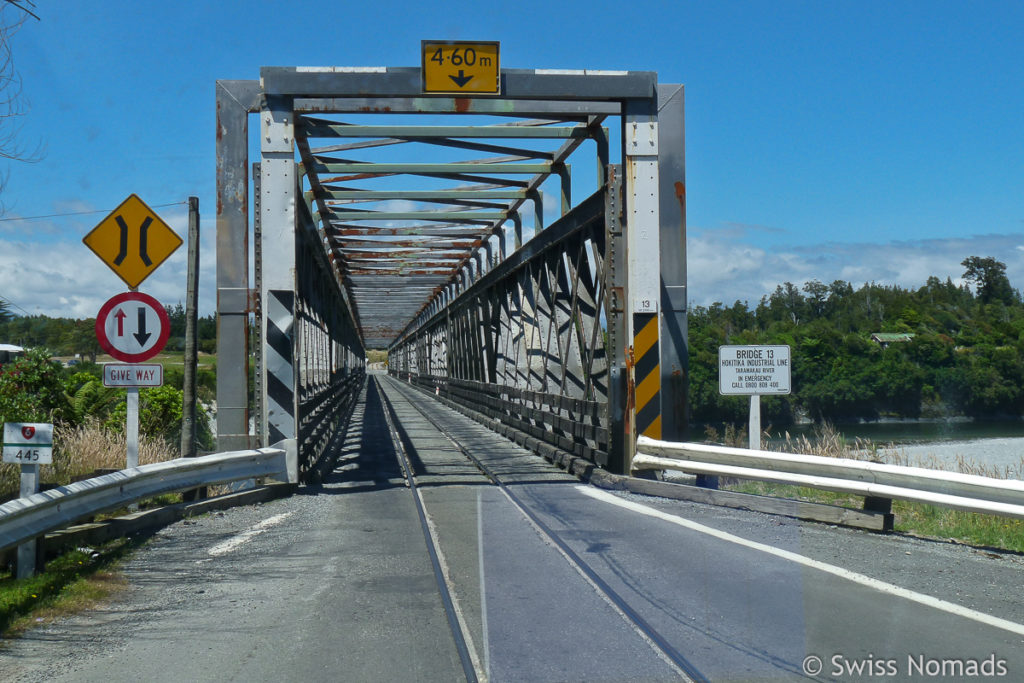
131 377
132 327
754 371
29 444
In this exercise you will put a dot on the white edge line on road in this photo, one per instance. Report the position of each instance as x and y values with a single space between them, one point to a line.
257 529
486 645
861 579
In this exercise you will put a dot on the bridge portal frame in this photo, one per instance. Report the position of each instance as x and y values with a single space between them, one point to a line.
647 305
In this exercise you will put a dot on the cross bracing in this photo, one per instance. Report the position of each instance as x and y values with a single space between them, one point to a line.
386 217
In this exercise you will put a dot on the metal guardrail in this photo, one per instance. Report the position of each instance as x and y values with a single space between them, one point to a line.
26 518
937 487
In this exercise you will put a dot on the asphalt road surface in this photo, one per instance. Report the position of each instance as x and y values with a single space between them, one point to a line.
336 584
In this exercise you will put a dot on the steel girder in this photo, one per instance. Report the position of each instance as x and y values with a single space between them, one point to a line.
475 196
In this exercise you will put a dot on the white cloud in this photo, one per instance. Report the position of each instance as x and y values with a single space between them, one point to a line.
65 279
725 269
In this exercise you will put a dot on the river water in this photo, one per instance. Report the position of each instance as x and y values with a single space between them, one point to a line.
990 447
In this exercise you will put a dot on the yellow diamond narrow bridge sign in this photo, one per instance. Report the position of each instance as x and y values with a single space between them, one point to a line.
453 67
133 241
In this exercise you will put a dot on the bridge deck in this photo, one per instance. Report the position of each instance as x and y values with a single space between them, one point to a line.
548 579
515 594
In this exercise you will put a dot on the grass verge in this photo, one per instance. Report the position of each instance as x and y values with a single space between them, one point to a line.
921 519
932 521
75 581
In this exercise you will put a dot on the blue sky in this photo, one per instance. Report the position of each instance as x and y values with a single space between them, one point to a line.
868 141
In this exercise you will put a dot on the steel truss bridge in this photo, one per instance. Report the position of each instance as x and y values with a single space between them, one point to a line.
521 258
359 213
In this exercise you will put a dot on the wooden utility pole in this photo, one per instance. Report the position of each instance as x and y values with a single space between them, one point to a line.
188 409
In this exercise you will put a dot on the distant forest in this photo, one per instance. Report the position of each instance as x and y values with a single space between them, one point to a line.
965 358
67 337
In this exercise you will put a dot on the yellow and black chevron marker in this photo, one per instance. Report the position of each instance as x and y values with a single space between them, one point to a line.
647 375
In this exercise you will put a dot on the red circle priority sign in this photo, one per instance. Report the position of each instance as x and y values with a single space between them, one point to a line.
132 327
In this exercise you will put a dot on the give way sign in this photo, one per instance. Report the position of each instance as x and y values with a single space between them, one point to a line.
132 327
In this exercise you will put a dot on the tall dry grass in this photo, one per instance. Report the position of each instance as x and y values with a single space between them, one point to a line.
828 442
80 450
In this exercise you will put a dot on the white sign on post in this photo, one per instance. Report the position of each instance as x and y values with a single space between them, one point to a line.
134 375
753 370
28 443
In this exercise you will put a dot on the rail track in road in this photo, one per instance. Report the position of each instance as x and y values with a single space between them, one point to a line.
403 443
458 630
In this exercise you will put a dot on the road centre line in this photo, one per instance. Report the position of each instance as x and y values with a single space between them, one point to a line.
240 538
861 579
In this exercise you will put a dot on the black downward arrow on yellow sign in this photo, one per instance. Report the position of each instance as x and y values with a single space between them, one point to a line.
462 79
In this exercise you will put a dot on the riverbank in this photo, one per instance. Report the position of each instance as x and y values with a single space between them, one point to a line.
950 444
995 457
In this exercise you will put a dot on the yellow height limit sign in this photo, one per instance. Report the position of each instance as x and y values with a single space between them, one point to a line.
133 241
454 67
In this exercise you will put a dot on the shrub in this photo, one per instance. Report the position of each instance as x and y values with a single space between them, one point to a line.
31 389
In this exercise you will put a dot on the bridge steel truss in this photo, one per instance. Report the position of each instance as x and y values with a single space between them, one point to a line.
577 336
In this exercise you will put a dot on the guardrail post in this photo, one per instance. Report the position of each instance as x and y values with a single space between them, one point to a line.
882 506
28 557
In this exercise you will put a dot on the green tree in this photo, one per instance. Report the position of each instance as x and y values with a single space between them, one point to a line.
989 277
81 339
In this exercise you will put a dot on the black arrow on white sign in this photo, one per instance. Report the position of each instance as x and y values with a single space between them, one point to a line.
142 336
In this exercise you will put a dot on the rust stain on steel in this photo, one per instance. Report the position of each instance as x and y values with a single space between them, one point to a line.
396 271
462 104
448 245
220 127
220 161
681 196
